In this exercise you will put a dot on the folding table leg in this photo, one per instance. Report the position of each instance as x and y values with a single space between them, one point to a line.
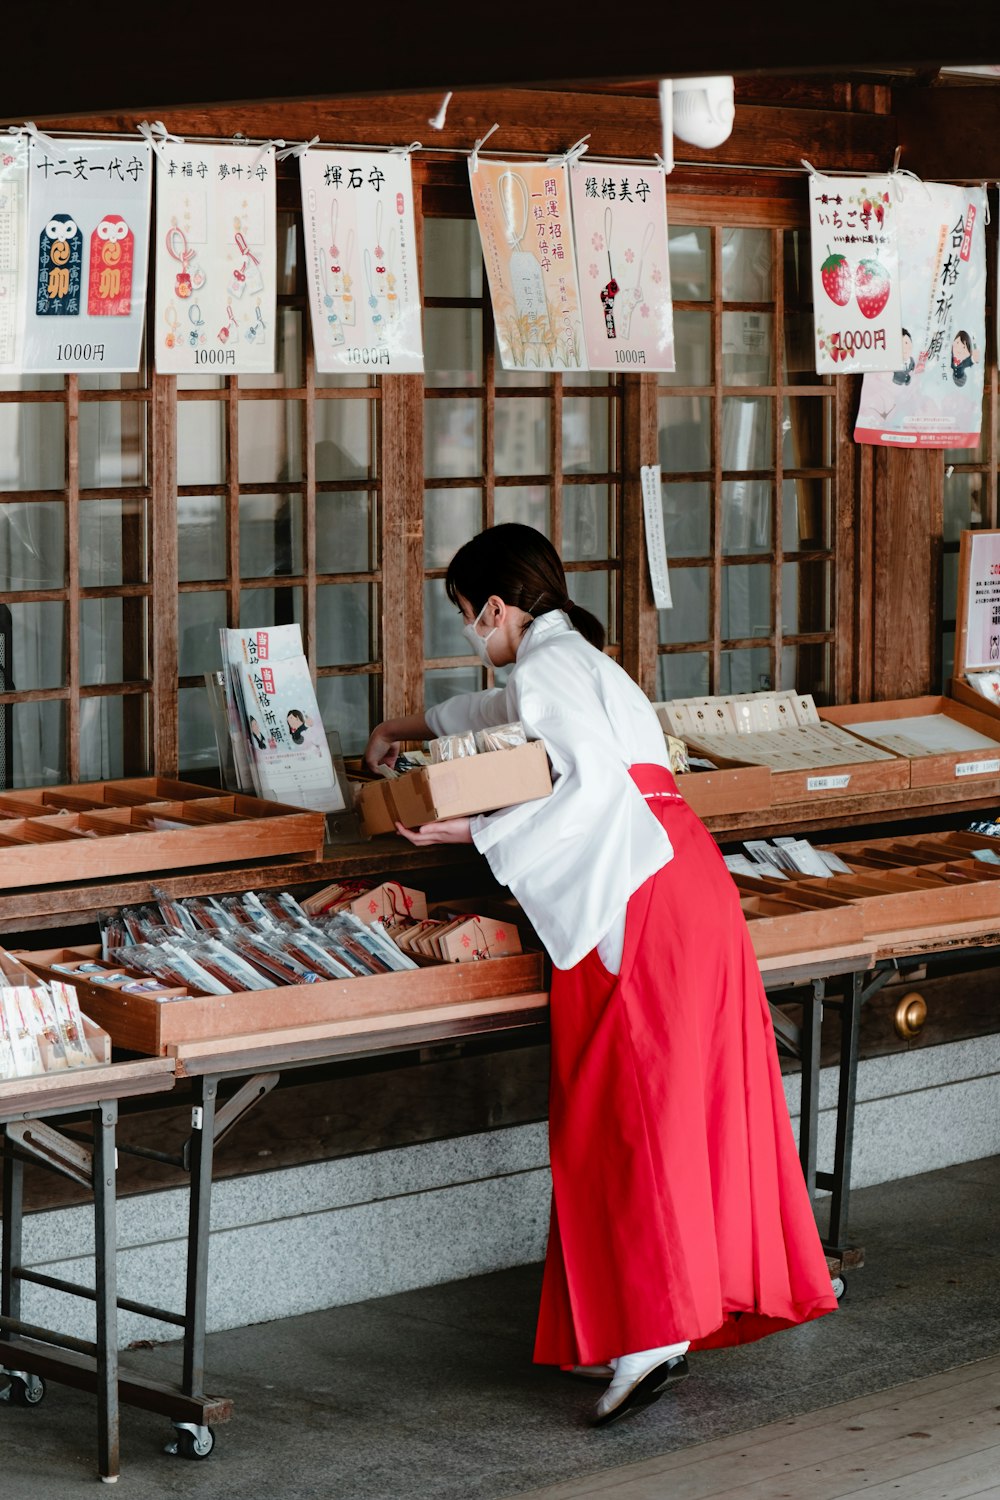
850 1026
13 1215
199 1223
812 1026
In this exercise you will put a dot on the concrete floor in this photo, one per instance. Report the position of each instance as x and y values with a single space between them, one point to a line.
431 1395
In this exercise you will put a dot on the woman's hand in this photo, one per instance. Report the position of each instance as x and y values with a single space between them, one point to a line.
382 749
448 831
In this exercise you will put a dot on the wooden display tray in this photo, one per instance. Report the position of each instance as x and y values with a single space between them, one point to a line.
783 922
903 885
151 1025
732 788
738 778
63 834
933 770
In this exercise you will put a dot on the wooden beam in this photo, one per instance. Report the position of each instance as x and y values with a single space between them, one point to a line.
530 120
949 133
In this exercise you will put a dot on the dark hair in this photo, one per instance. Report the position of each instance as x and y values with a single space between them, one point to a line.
296 734
966 340
520 565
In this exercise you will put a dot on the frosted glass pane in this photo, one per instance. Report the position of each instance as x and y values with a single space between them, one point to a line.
112 443
271 441
527 504
746 601
690 263
346 540
586 522
746 433
806 669
451 517
270 535
688 620
201 442
196 741
40 744
453 438
682 676
442 623
201 538
103 737
446 682
949 571
32 545
806 514
344 447
747 671
453 258
747 348
746 265
687 519
113 640
113 541
39 654
585 435
963 503
344 624
290 372
807 429
593 591
453 346
351 706
522 435
805 598
692 350
32 453
200 617
279 606
685 433
746 515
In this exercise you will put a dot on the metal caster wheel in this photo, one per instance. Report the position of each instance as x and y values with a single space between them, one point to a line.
24 1389
191 1441
839 1289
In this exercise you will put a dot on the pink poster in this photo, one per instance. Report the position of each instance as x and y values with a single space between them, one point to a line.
620 225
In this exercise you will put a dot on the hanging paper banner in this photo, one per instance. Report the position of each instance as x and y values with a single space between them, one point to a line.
935 397
364 292
523 213
855 274
216 260
13 249
84 289
623 268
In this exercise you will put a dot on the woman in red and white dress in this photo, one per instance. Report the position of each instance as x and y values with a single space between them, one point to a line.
680 1218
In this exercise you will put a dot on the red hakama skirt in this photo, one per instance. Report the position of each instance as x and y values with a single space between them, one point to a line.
679 1209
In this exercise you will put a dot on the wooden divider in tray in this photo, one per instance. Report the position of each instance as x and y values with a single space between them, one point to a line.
896 886
151 1024
62 834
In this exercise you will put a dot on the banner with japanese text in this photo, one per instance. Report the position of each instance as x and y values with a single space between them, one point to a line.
13 249
934 398
216 259
523 213
623 267
84 290
361 258
855 274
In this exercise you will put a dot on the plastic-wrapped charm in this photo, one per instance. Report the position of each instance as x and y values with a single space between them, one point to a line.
452 747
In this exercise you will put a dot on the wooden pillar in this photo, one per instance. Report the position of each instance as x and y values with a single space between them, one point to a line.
639 615
402 468
907 509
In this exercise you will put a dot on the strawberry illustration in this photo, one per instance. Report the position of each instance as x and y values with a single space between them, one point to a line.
836 274
879 213
872 287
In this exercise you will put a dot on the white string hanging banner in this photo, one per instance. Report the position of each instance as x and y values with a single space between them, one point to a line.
216 259
526 227
361 260
84 291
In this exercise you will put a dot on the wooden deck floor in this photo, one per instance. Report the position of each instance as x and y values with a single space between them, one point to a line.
933 1439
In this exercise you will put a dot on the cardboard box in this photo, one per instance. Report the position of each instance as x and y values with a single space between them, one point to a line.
976 767
457 788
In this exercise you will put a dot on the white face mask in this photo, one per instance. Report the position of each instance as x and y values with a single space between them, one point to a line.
479 643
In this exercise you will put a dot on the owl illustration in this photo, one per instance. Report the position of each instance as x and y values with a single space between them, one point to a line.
60 267
112 252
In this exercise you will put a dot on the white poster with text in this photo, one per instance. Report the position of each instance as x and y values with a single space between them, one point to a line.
855 268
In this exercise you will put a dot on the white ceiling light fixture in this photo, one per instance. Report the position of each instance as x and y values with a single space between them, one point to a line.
703 110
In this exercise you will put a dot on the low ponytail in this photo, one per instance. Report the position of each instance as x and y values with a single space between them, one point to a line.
587 624
520 565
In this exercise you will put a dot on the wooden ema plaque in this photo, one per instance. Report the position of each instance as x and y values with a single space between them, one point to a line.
65 834
152 1024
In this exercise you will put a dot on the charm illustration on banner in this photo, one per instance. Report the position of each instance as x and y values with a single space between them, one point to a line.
855 274
361 258
934 398
13 249
88 213
622 263
523 213
216 259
